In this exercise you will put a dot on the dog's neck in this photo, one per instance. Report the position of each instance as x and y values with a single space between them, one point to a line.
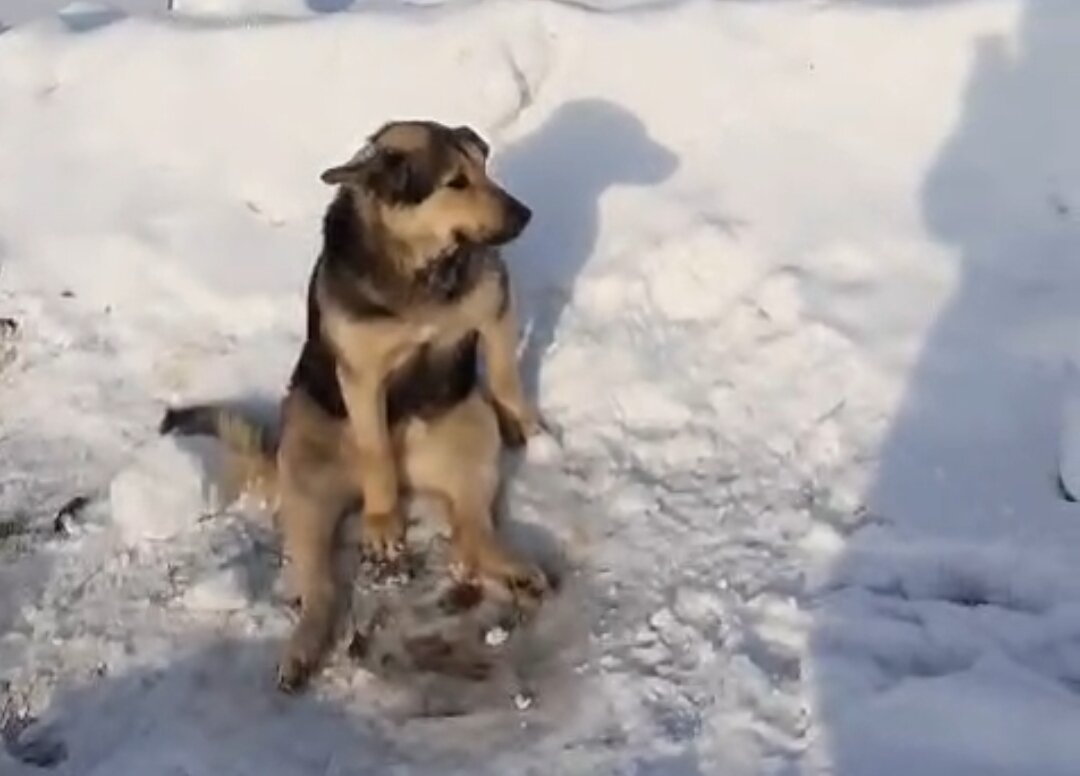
447 276
380 272
438 279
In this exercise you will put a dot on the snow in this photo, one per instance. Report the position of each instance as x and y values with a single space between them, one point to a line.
801 302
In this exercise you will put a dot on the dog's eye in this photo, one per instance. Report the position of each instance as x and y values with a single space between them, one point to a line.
459 182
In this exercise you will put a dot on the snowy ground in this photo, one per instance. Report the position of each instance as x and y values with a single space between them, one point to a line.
802 295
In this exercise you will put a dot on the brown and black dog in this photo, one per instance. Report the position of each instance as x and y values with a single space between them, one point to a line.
408 293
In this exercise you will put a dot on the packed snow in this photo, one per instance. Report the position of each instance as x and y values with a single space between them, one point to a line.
801 300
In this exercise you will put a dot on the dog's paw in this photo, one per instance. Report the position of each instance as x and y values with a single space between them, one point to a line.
525 583
518 426
529 586
514 433
305 649
293 673
382 536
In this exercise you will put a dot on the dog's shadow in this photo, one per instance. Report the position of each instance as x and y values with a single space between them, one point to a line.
561 170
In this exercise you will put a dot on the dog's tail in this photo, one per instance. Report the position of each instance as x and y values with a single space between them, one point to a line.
250 448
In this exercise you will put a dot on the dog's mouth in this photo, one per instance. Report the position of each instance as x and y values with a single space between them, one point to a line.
504 235
464 243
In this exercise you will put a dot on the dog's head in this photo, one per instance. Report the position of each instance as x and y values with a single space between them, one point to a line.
427 186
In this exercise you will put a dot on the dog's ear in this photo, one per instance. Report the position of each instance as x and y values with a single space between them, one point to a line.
391 175
353 171
470 136
343 174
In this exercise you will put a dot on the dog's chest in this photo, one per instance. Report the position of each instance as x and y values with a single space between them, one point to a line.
417 338
433 376
385 343
441 327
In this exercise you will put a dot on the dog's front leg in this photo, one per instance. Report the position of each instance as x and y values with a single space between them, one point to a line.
383 526
518 419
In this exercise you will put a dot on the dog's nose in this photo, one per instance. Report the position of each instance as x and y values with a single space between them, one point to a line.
520 215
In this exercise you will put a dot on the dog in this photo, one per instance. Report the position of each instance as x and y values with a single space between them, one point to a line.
408 293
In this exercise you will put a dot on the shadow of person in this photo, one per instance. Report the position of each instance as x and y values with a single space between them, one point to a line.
968 515
561 170
974 443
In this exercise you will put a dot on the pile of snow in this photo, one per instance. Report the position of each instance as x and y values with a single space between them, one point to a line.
799 296
156 496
